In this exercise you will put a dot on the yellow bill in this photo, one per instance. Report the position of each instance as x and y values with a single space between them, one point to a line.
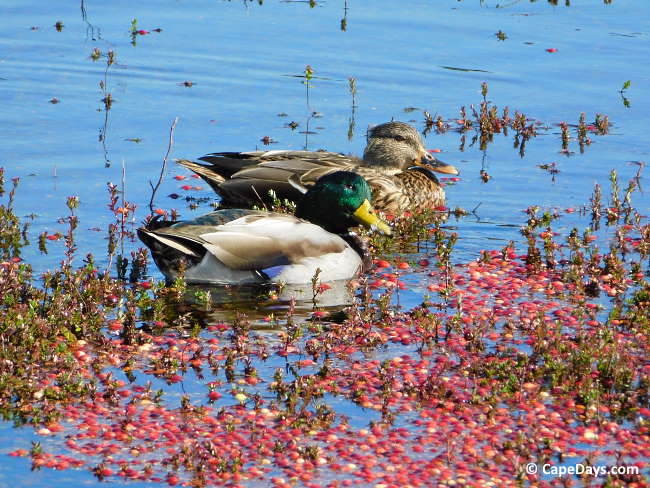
365 215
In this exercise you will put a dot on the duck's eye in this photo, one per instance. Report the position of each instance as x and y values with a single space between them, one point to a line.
349 186
400 138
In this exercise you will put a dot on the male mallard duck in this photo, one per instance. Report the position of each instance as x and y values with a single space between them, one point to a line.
395 164
251 246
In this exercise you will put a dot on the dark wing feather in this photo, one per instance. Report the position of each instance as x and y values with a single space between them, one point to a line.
263 171
253 183
246 178
228 163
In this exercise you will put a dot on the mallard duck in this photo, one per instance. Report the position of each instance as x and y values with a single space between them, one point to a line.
395 164
236 246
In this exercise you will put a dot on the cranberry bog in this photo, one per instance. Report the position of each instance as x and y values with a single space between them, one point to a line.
499 341
532 354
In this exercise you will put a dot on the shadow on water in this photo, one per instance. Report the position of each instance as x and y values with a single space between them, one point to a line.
92 32
261 304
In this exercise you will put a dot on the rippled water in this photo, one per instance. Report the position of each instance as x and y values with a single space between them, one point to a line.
244 61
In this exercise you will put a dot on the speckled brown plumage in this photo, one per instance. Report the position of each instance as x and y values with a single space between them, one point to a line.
395 164
415 189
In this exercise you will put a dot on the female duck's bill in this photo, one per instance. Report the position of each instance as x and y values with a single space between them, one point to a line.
248 246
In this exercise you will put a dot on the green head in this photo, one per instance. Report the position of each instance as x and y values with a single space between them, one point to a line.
339 201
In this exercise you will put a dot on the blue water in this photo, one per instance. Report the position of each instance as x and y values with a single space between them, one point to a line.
243 60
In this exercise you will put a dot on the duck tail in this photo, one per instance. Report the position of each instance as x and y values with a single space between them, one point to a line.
208 173
167 249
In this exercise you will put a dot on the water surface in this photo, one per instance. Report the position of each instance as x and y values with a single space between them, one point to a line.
244 62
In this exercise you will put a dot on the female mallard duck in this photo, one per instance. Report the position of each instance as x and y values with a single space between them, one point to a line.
395 164
250 246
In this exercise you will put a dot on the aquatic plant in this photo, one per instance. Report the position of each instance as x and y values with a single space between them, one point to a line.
517 357
486 121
